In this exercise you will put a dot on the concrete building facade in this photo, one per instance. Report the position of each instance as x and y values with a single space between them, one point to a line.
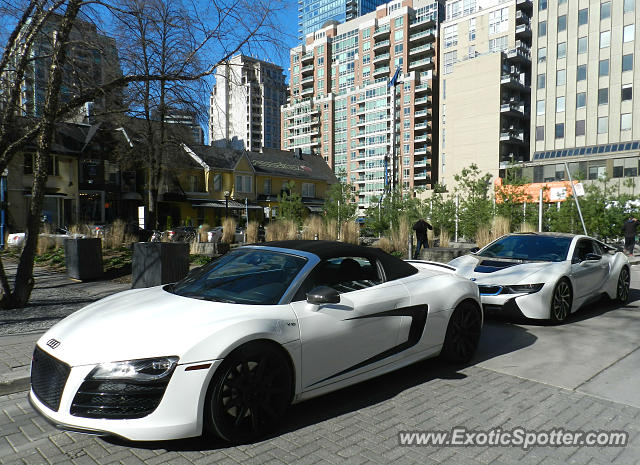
245 104
342 107
485 72
585 91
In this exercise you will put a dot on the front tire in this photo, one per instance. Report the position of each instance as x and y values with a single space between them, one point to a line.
463 334
622 288
561 301
249 393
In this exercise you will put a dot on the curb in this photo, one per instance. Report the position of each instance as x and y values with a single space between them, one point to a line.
16 381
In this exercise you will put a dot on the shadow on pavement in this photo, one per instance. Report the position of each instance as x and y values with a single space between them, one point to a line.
497 339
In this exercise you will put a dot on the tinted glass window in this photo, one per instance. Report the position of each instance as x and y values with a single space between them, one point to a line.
246 276
345 274
529 247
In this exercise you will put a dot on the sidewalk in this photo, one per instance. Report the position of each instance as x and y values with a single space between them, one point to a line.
54 297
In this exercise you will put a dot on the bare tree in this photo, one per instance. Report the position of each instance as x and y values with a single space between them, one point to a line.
216 33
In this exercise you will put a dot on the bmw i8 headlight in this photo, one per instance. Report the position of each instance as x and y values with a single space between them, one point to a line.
147 369
523 288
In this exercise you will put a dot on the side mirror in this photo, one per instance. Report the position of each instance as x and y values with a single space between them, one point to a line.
323 295
592 257
474 249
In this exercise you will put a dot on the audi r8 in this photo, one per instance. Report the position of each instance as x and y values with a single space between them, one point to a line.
545 275
227 349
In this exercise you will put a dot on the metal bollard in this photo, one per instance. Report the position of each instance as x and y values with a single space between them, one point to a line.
315 237
410 247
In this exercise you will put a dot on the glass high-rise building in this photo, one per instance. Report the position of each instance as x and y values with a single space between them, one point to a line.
313 14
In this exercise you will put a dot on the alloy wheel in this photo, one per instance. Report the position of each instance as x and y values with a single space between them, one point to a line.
561 302
622 290
463 334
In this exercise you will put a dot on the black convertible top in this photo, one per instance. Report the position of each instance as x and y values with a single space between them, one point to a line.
394 267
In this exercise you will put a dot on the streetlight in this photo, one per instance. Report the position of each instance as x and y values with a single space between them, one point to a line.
226 203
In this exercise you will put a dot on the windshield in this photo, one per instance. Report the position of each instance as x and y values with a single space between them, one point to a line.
529 247
247 276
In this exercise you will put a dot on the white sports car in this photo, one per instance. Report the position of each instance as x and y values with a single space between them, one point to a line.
545 275
228 348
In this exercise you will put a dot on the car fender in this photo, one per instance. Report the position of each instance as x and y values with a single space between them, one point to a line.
615 266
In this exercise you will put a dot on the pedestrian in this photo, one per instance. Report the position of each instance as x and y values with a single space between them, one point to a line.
629 228
421 228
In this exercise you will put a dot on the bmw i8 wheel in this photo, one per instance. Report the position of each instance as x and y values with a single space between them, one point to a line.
622 289
463 333
250 393
561 301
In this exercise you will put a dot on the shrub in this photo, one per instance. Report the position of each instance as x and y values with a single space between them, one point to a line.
500 226
383 244
313 226
252 232
483 236
45 243
114 236
331 229
228 230
350 232
526 227
400 235
444 237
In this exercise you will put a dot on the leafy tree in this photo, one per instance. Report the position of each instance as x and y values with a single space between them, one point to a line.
440 211
511 196
290 204
340 204
475 207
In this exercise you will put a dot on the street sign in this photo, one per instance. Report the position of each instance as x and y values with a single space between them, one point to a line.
578 189
557 194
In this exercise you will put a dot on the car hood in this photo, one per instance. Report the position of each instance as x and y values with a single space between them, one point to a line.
142 323
484 270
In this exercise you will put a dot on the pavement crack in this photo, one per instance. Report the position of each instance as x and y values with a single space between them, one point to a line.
605 368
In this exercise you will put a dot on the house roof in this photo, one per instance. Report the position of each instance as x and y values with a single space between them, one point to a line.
284 163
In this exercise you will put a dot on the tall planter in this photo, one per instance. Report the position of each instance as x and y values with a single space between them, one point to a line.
83 258
156 263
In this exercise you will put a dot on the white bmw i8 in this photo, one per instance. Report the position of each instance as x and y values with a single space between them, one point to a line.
545 275
231 346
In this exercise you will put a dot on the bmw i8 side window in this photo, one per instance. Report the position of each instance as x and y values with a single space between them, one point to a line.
583 247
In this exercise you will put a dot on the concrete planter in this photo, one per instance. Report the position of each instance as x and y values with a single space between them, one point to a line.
443 254
83 258
156 263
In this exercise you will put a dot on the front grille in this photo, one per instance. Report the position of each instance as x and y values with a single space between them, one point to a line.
117 399
48 377
489 289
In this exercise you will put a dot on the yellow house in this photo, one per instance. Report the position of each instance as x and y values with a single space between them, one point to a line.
237 182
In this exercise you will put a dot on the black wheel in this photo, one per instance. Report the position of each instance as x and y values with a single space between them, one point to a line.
561 301
622 289
463 334
249 393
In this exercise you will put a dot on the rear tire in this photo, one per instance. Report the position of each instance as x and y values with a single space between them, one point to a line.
622 288
463 334
561 301
249 393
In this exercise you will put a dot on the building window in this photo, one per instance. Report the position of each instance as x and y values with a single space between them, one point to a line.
559 130
560 104
583 16
397 50
603 96
583 44
217 182
243 184
449 59
398 35
580 127
499 21
562 2
627 62
542 5
266 186
627 92
450 36
605 39
542 28
472 52
542 54
581 100
308 189
540 107
629 6
603 68
542 81
561 77
398 22
581 73
498 44
539 132
628 33
625 122
562 23
562 50
472 29
603 125
605 10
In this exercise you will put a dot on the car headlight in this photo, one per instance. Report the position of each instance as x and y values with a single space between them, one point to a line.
523 288
147 369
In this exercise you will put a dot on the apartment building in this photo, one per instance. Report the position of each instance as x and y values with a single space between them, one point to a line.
342 107
244 106
586 91
313 14
485 72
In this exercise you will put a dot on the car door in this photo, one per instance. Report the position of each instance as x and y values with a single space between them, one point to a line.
347 338
588 275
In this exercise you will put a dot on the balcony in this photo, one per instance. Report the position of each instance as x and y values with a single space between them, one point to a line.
424 87
307 69
381 31
422 114
522 17
383 57
514 81
425 63
381 44
426 48
516 109
512 136
422 138
421 177
421 151
428 20
381 70
427 35
526 5
307 91
421 126
421 164
523 31
520 54
422 101
307 79
307 57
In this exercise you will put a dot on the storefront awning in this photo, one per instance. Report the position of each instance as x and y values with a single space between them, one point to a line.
315 208
233 205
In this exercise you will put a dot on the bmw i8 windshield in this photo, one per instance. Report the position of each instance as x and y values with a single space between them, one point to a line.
528 247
